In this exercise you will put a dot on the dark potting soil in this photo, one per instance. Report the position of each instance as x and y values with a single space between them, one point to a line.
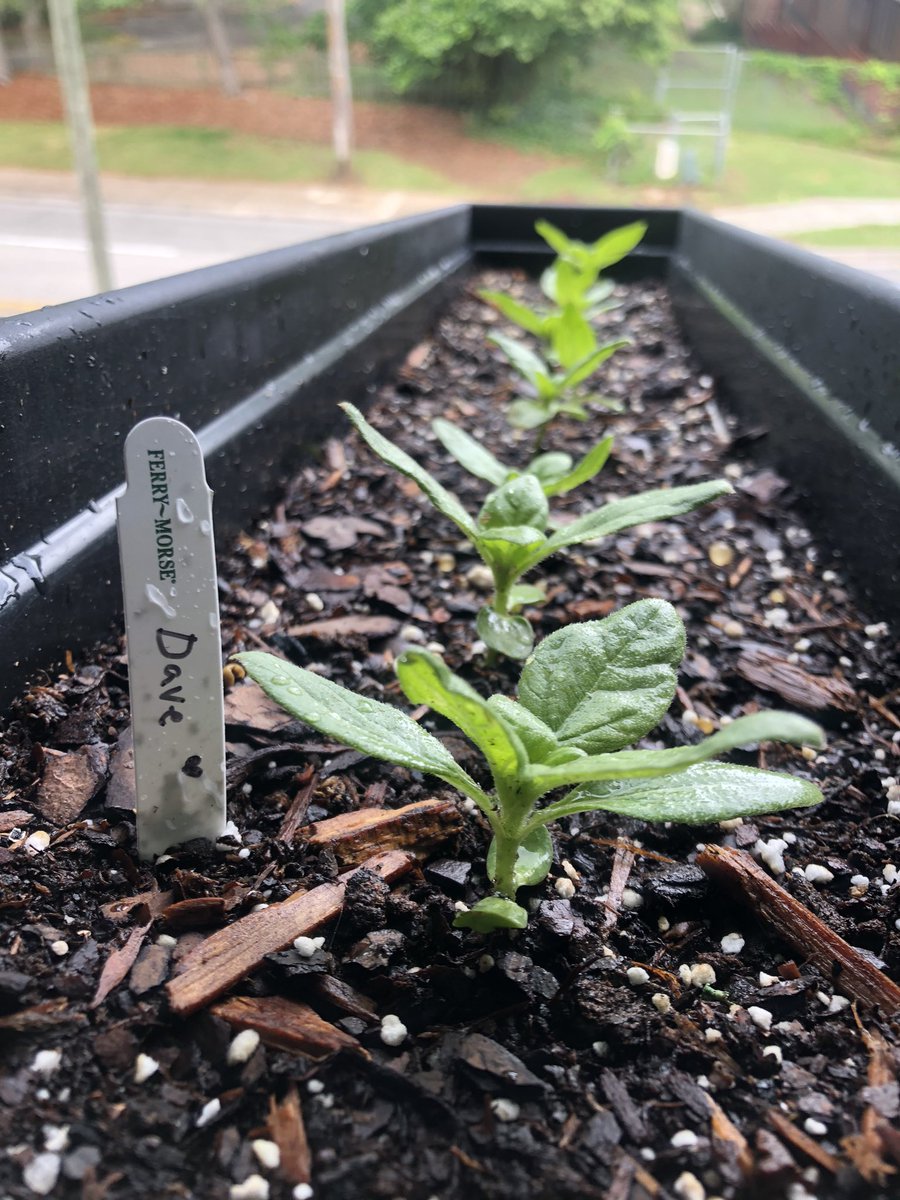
535 1065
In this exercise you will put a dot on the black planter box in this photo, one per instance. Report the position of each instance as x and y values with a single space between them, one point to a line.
253 355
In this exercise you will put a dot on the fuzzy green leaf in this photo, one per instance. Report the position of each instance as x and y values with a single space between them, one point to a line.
771 726
601 685
469 453
508 635
494 912
442 500
426 679
614 246
592 464
554 237
550 467
367 725
571 337
526 593
519 501
528 414
514 535
533 859
524 360
657 505
586 366
538 738
526 318
700 795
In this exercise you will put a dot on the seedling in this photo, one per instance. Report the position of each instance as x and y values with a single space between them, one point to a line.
590 691
554 391
556 472
573 278
509 531
572 354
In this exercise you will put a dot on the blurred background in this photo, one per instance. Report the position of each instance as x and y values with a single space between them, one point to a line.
224 127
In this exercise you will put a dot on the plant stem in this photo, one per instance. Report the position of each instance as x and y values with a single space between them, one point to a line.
507 852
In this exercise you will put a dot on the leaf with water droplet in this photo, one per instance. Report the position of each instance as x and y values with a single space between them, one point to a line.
512 636
534 859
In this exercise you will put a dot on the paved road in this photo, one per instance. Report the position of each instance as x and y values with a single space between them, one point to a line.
44 256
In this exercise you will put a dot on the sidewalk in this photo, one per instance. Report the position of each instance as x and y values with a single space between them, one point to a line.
345 204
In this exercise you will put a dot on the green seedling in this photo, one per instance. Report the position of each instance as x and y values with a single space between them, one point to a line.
572 353
510 535
557 473
553 391
574 278
590 691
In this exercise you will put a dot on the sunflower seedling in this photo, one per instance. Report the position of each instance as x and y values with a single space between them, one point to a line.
557 473
572 353
589 691
553 392
509 531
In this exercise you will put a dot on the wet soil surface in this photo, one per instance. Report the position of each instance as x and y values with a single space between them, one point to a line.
534 1064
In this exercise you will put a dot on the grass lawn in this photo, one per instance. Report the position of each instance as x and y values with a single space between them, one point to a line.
761 169
168 151
863 237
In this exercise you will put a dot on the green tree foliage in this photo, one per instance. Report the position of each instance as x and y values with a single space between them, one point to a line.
490 46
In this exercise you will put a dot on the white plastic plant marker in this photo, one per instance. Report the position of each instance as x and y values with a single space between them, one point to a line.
174 648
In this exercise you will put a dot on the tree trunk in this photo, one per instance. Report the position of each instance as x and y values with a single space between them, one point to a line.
341 91
221 46
33 33
5 68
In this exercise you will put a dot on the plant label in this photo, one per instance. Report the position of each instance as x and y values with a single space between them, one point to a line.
174 648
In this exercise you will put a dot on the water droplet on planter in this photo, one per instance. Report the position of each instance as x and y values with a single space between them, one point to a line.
185 516
205 527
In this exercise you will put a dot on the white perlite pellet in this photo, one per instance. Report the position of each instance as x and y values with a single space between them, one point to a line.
60 947
661 1002
302 1191
772 854
393 1031
712 1035
564 888
702 975
773 1052
817 874
45 1062
56 1138
505 1110
242 1047
732 943
684 1139
42 1172
209 1112
637 976
307 946
767 980
267 1153
254 1187
761 1017
570 871
815 1128
889 872
631 898
144 1067
859 884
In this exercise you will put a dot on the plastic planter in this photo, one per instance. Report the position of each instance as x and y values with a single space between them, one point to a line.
254 354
